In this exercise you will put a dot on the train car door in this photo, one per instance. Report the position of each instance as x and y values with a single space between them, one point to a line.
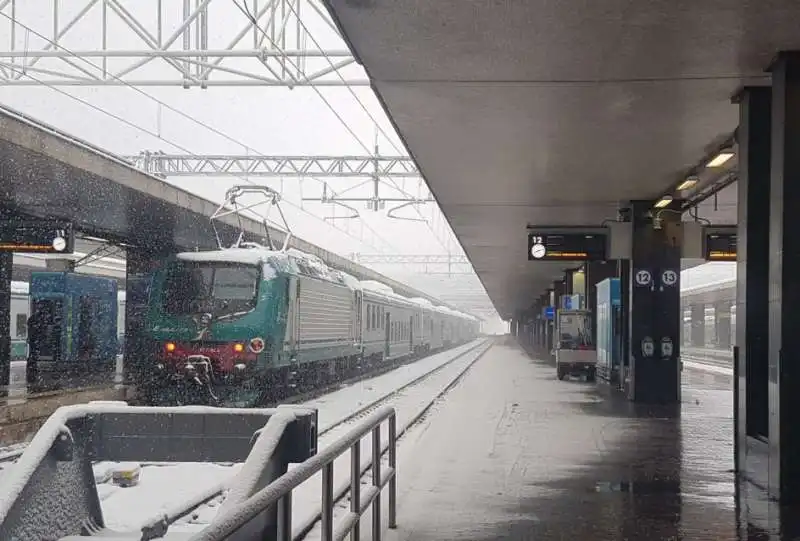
358 335
45 332
388 326
292 313
411 333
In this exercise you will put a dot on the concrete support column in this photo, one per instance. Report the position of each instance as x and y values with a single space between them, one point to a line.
579 282
784 288
722 323
6 263
549 325
568 282
751 354
655 305
559 288
139 351
698 325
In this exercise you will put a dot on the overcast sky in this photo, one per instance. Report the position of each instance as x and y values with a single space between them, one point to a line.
254 120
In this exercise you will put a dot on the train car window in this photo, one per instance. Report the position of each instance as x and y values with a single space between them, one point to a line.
220 289
236 283
22 325
369 317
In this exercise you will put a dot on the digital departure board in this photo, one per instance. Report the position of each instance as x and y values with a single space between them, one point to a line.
37 236
566 246
721 246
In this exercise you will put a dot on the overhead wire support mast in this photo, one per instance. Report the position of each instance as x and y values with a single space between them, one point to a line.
268 50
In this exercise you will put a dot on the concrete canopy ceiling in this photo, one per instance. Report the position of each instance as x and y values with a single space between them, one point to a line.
551 113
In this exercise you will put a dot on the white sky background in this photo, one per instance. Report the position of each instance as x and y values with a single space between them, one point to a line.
268 120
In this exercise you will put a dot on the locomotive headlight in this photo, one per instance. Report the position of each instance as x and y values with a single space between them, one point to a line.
170 347
257 345
238 348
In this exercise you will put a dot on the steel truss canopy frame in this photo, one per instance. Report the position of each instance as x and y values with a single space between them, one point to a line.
194 43
228 165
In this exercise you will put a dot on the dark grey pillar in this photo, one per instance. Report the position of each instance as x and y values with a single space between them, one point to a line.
6 262
784 287
655 305
751 354
139 356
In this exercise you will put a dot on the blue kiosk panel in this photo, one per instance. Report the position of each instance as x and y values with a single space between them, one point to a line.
608 331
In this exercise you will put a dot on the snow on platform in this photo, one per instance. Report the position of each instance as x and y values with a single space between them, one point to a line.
513 453
163 486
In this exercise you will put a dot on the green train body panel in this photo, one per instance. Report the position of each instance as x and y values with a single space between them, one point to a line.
265 320
268 319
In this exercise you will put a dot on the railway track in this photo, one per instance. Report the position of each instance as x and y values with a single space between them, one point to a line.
329 430
411 419
10 454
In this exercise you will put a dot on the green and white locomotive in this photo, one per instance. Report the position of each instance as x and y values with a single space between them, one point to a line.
249 324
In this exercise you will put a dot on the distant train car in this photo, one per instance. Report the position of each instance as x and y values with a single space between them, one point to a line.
244 325
76 330
20 311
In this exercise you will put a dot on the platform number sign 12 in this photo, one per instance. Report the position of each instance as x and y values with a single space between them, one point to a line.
538 249
643 277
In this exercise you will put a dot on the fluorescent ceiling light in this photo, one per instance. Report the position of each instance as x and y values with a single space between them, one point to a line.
688 183
663 202
721 158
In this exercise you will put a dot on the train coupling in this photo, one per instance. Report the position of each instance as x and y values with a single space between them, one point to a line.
198 368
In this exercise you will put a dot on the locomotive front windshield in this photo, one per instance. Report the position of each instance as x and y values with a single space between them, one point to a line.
217 288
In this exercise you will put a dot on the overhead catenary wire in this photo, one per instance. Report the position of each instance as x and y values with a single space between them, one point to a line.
158 135
372 117
246 11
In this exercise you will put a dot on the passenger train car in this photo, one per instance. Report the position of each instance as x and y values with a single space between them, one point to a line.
241 326
20 310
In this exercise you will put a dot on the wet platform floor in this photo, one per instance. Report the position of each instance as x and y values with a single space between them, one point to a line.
513 453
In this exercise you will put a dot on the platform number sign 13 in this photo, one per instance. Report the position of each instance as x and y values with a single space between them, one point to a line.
669 277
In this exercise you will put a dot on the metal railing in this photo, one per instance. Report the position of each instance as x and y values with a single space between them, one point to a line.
279 492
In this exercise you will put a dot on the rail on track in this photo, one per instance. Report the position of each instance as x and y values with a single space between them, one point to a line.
51 492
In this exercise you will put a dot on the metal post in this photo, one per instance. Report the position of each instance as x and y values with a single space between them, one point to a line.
393 465
327 502
376 482
285 517
355 488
